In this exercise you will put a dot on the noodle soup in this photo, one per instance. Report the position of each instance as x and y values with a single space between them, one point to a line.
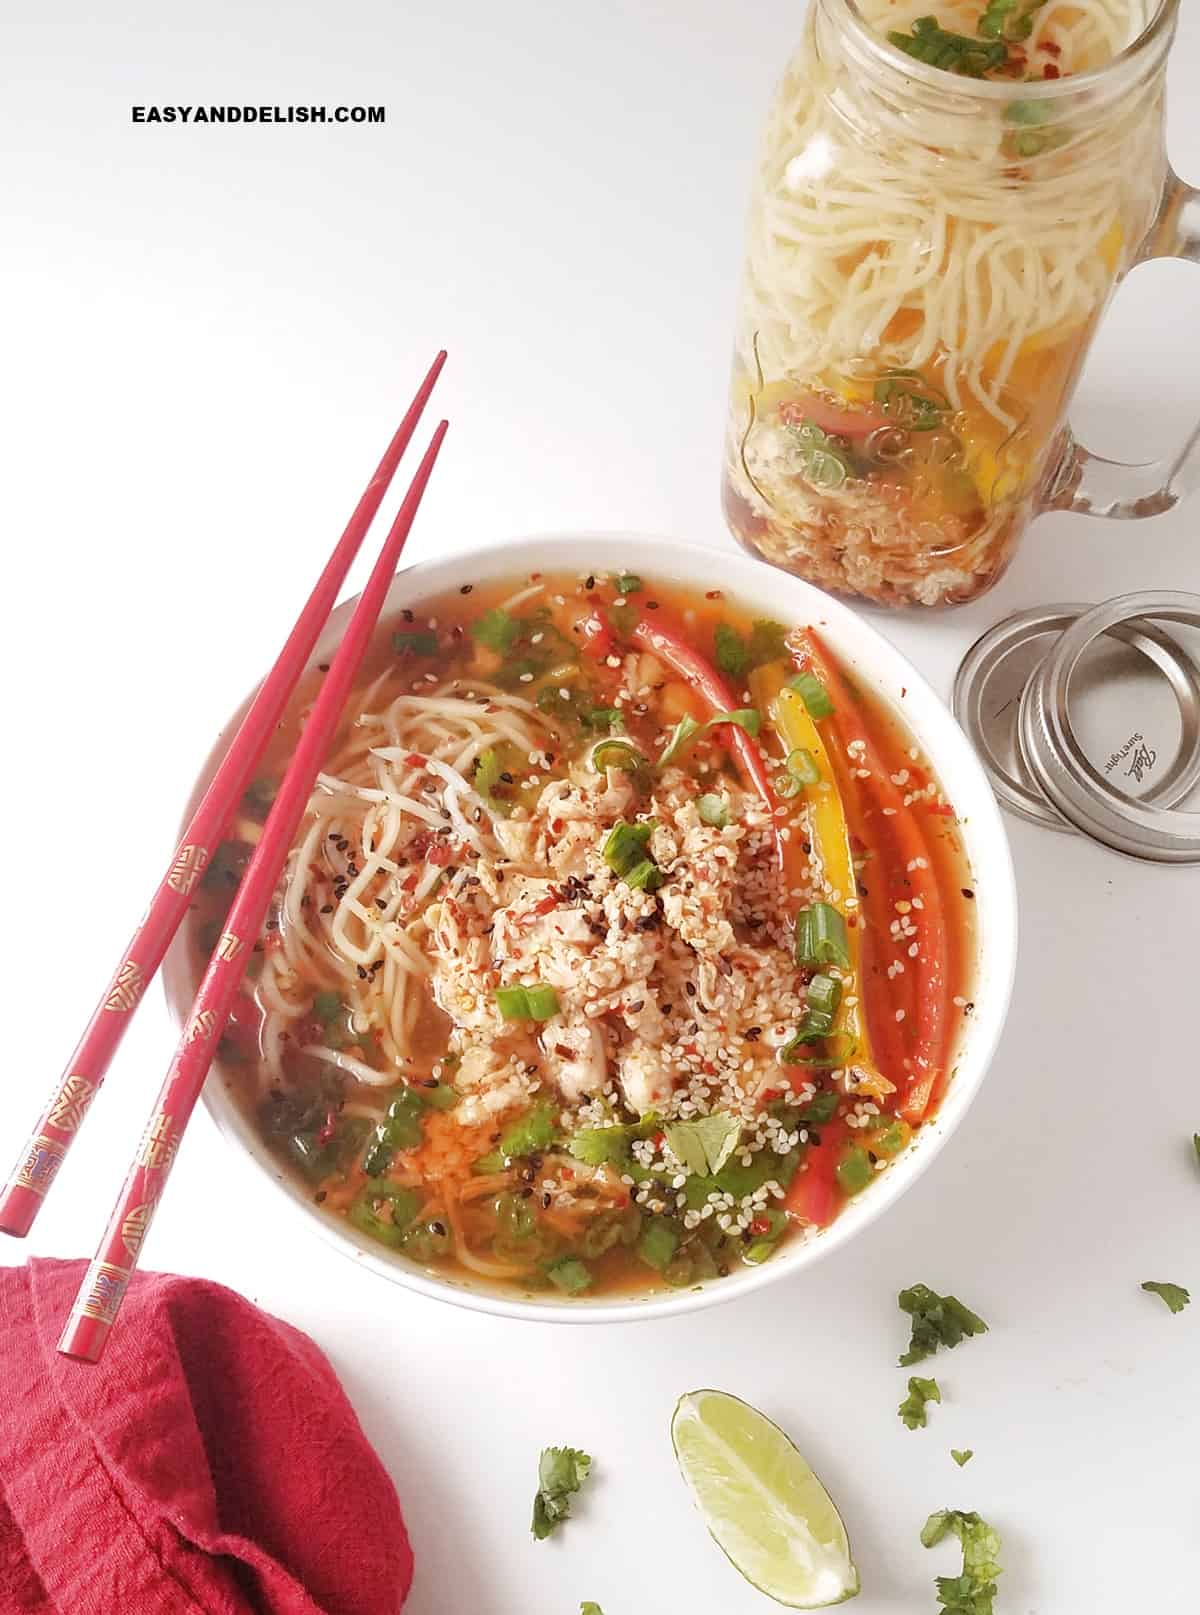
623 941
929 251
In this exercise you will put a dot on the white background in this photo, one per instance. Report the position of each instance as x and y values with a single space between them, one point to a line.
209 334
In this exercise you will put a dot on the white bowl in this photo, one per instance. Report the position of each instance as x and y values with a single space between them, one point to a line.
874 663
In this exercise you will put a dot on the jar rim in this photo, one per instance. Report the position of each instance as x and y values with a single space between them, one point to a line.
1156 33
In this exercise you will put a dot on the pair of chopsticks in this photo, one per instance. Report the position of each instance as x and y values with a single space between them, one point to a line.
101 1293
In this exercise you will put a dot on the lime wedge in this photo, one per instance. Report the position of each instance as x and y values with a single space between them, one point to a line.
766 1510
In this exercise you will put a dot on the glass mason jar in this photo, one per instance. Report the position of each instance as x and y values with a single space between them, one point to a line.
928 258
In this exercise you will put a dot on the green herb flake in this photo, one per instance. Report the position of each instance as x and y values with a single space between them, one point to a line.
497 630
705 1144
974 1591
561 1472
531 1133
535 1003
415 642
729 651
1196 1145
824 461
627 583
589 1608
570 1275
920 1392
937 1320
954 53
487 777
1174 1295
962 1455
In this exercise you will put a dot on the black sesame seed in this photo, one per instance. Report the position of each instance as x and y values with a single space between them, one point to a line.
968 893
466 588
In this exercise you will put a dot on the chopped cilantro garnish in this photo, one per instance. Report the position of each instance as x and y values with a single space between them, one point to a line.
705 1144
497 630
569 1274
414 642
561 1471
937 1320
532 1132
628 583
1174 1295
737 656
920 1391
974 1592
961 1455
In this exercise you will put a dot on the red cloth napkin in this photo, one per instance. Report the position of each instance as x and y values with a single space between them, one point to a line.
209 1463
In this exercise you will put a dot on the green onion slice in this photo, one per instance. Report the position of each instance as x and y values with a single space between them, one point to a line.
821 937
617 754
813 693
802 766
536 1003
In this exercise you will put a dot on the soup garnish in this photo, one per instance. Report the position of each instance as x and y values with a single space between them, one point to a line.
624 939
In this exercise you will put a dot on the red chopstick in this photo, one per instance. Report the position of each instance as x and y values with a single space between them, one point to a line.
103 1288
52 1136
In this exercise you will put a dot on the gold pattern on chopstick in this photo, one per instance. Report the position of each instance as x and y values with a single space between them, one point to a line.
187 868
71 1103
229 946
127 989
106 1284
203 1024
133 1229
160 1141
37 1170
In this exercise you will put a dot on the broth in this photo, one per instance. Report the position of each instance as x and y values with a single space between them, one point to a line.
623 940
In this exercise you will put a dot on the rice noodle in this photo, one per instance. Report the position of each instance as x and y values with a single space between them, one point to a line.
397 775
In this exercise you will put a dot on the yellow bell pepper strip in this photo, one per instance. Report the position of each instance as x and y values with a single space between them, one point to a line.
829 833
911 871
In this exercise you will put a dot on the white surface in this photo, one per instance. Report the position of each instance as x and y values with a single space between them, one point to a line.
209 335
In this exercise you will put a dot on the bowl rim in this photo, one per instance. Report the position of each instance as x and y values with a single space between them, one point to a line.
875 658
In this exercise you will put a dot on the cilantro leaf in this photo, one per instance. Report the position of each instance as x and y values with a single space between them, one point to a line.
973 1592
496 629
1175 1296
912 1409
561 1471
704 1145
729 651
937 1320
961 1455
737 656
415 642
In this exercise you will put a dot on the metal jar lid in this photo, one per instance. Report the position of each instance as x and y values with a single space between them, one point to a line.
1088 719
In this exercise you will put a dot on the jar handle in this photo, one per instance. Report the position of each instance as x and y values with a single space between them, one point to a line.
1087 482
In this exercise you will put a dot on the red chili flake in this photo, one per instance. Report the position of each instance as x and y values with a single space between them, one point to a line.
760 1225
546 905
535 577
1050 71
439 854
567 1172
415 760
943 809
328 1129
771 1094
659 1140
410 885
1050 48
712 594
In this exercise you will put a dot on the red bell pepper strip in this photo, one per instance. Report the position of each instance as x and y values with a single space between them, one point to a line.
931 1006
813 1193
703 677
